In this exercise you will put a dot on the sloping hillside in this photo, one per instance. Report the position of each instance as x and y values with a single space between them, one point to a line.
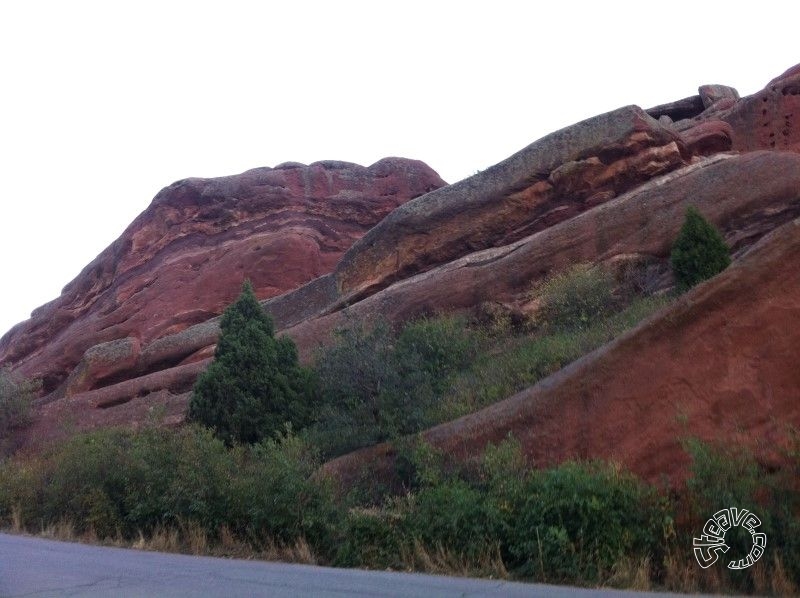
718 364
610 189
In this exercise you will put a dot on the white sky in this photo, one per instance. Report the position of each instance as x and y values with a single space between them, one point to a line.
104 103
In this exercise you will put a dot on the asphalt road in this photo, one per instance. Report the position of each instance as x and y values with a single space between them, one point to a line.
37 567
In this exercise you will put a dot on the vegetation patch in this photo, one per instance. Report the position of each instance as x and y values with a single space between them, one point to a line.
16 395
699 251
586 523
255 385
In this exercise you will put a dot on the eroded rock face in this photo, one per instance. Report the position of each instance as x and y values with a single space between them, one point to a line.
769 119
610 189
184 258
746 196
718 365
549 181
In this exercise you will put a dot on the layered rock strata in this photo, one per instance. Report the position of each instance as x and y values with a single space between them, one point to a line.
717 365
184 258
609 189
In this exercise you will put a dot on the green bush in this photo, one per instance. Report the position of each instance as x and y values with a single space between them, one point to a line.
376 385
726 476
82 480
577 298
254 386
117 482
573 523
576 521
276 496
15 400
699 251
372 538
455 514
173 478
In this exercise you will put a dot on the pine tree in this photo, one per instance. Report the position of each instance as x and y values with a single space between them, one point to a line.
699 251
255 385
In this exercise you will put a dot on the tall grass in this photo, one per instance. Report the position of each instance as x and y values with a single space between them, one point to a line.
511 363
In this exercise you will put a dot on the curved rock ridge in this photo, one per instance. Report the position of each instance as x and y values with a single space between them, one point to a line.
717 365
612 189
549 181
745 195
183 259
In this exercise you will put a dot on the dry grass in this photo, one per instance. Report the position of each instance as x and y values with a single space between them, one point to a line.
681 572
17 526
780 582
296 552
632 575
187 538
190 538
61 530
440 560
684 575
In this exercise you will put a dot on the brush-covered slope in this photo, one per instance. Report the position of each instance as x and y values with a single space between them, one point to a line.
718 364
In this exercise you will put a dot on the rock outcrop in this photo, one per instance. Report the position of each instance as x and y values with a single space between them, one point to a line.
718 364
131 334
184 258
769 119
746 196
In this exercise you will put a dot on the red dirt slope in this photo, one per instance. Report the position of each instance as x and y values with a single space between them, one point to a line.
719 364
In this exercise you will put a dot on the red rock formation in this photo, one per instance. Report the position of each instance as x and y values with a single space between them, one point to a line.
610 188
184 258
718 365
551 180
746 196
769 119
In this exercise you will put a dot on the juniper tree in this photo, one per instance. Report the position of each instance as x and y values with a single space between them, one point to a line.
699 251
255 385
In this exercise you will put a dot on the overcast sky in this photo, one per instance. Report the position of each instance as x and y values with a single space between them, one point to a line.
104 103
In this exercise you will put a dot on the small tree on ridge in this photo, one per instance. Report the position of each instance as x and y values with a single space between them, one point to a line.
699 251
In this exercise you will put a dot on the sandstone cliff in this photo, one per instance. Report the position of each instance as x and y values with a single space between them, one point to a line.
184 258
611 189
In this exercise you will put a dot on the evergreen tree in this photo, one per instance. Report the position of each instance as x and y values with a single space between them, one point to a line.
699 251
255 385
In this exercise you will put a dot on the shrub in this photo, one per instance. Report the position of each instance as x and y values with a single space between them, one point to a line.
376 385
730 476
82 481
354 375
277 497
577 298
173 478
116 482
456 515
254 385
699 251
574 522
372 538
15 399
